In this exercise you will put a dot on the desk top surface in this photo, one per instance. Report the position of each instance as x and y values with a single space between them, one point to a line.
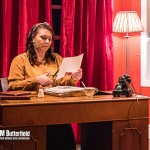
80 99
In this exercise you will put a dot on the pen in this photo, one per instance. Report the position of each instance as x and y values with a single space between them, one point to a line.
55 73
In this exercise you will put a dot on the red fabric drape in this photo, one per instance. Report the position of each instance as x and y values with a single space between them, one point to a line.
17 18
86 27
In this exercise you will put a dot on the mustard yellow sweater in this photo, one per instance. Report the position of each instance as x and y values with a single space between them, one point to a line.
22 76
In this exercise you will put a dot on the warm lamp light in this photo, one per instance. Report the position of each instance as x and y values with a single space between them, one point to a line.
127 22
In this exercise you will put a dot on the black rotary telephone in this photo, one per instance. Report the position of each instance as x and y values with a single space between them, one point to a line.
123 86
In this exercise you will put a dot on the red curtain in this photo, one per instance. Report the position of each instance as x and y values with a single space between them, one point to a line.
17 17
86 27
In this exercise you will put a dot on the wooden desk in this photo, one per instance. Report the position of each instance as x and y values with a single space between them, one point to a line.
33 115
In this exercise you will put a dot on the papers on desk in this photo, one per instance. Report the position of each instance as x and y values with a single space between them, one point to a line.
69 64
64 90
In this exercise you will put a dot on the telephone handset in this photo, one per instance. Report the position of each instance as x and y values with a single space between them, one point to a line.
123 86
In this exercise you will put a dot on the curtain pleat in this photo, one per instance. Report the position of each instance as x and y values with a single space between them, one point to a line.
67 28
103 47
9 32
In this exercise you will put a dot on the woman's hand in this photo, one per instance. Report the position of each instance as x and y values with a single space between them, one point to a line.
77 75
44 80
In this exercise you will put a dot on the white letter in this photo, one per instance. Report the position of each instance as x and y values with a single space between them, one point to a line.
2 132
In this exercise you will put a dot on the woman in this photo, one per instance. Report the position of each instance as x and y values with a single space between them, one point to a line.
37 66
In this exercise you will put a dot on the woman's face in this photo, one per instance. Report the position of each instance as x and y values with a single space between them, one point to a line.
43 40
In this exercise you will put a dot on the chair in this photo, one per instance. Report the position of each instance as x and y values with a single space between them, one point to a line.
3 84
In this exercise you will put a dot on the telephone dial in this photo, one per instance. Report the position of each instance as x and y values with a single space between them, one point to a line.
123 86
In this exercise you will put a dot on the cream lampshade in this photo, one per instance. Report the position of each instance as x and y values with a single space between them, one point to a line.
127 21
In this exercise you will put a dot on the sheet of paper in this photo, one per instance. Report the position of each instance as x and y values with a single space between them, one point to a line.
69 64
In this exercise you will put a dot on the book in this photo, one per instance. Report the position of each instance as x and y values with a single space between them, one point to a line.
11 97
15 95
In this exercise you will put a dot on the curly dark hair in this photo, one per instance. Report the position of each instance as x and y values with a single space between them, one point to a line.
30 47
